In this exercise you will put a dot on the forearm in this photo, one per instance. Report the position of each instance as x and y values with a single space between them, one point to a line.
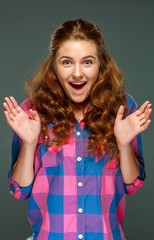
23 170
129 165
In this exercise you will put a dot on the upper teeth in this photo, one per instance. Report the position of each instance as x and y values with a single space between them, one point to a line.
78 83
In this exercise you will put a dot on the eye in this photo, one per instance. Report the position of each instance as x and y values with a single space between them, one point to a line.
67 63
87 62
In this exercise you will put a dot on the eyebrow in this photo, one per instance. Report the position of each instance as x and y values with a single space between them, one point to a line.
89 56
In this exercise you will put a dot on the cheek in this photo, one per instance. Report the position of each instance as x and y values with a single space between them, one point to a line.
93 74
63 73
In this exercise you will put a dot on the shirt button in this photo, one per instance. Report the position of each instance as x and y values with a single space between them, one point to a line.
80 184
79 159
78 133
80 210
80 236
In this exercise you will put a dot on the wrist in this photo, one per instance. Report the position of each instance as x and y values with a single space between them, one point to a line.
124 147
29 146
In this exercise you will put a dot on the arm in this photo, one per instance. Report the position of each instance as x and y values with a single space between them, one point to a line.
129 165
126 129
23 171
27 127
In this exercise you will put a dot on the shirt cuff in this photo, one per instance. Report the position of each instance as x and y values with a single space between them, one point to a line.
138 182
142 174
20 193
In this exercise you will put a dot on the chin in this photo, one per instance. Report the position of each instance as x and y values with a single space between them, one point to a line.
79 101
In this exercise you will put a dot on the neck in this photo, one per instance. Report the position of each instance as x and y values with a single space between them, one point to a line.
78 110
79 116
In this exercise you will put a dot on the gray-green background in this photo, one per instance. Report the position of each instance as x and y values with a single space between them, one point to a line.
25 29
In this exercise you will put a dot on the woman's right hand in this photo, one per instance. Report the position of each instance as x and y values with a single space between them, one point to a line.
27 126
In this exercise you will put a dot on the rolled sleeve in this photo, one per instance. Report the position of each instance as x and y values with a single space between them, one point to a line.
20 193
137 184
138 151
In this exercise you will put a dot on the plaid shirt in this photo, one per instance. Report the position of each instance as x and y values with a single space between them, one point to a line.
74 195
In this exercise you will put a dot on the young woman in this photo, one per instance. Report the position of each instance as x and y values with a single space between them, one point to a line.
76 147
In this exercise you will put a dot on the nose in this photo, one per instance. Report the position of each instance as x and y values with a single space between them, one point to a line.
77 71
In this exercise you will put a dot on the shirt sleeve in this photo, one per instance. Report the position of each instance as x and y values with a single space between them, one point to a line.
20 193
138 151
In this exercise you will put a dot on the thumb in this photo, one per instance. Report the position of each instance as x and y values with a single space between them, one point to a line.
120 113
33 114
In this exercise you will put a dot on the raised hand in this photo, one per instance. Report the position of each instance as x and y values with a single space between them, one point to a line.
126 129
27 126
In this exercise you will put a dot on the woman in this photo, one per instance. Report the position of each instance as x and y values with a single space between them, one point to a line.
76 146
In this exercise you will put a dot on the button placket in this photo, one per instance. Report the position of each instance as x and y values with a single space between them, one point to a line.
80 183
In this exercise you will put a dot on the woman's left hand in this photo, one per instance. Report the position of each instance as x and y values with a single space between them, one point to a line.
125 129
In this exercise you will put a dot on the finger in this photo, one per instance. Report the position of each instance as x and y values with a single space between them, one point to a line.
33 114
148 115
146 125
8 118
143 121
149 108
120 113
142 108
10 122
142 116
15 104
11 108
9 111
6 107
12 117
11 105
145 115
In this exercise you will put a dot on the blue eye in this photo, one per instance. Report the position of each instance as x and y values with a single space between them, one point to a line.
87 62
66 62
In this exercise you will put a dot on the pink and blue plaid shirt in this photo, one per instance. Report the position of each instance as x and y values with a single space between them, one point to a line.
74 195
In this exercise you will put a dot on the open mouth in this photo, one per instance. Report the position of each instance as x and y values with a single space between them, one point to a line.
77 85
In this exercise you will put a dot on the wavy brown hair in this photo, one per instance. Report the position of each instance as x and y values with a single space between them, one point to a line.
107 94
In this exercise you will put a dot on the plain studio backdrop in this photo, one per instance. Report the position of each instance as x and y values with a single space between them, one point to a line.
25 30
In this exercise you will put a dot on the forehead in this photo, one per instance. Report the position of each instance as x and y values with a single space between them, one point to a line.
82 47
